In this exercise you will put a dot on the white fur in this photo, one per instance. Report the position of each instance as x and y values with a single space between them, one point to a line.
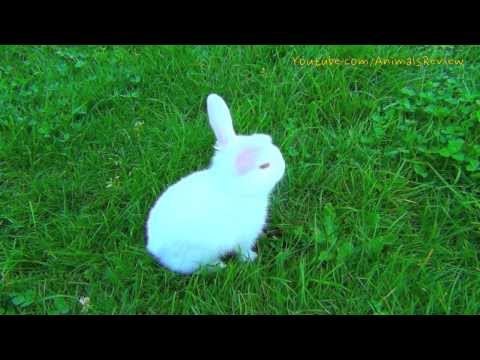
215 211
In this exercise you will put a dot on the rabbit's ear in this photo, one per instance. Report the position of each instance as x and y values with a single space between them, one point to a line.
245 160
220 120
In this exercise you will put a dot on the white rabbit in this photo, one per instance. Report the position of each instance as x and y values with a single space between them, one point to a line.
219 210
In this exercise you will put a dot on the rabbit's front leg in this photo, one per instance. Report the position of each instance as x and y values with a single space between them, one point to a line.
247 254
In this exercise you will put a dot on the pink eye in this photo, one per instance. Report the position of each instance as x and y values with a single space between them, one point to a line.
264 166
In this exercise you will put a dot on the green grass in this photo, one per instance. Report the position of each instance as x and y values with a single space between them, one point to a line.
378 213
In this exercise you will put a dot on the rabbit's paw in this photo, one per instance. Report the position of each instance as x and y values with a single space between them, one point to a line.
216 265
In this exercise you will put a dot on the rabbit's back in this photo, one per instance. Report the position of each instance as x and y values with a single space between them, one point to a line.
193 223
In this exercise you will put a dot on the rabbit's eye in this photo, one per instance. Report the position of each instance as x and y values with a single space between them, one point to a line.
264 166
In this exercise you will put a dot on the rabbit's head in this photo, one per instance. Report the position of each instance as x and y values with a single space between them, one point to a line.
247 165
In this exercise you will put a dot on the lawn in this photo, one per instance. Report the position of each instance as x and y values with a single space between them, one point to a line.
378 211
